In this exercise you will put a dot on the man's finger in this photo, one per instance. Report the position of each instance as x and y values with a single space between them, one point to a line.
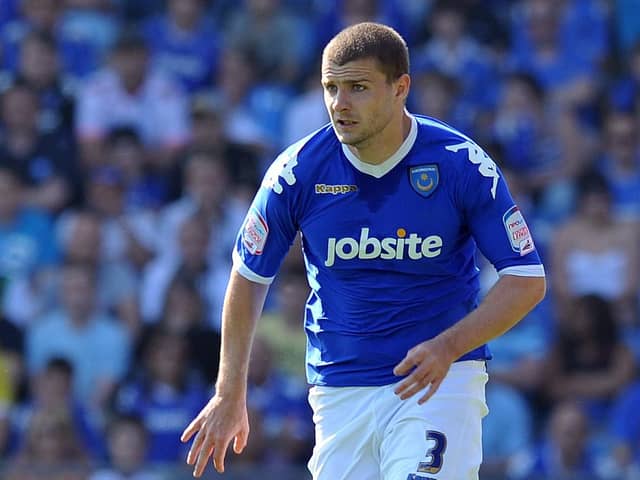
418 374
193 427
240 441
195 447
414 388
203 456
404 366
432 388
218 456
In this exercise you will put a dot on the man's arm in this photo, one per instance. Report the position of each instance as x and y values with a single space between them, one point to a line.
225 415
510 299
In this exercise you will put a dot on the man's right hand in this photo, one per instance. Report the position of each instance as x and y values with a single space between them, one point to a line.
217 423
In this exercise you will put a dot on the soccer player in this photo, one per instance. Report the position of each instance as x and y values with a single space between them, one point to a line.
391 206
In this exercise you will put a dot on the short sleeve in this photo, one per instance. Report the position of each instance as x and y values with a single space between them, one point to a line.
270 225
494 220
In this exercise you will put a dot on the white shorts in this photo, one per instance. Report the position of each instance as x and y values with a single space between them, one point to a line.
368 433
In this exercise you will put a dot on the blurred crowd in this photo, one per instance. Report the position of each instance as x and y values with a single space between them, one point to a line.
133 134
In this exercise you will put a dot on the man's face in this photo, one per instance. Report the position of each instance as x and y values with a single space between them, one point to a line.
38 63
621 137
360 101
205 181
77 290
132 67
20 109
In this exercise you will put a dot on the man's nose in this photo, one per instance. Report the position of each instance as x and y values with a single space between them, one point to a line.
341 100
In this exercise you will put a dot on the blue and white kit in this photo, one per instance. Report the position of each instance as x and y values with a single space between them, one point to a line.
389 249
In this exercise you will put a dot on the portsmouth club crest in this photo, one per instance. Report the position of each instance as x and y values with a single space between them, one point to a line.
424 179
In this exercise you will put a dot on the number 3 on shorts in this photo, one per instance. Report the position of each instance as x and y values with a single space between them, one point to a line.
437 445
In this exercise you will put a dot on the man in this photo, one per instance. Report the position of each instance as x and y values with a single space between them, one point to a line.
390 212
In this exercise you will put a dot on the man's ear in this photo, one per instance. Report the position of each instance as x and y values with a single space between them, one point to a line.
402 86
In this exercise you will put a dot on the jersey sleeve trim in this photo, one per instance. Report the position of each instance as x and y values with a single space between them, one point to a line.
523 271
247 273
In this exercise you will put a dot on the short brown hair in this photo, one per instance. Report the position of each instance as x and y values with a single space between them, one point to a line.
370 40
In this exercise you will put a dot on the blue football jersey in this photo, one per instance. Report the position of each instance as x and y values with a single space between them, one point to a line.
389 249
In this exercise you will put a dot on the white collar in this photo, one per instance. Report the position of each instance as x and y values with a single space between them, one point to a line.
385 167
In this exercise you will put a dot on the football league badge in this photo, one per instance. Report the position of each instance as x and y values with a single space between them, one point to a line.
424 179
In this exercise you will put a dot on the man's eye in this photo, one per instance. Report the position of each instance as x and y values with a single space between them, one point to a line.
358 88
330 88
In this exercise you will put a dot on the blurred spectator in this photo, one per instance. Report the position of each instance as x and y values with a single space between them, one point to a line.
546 148
452 51
281 401
184 42
127 235
128 443
51 449
624 93
145 186
116 280
592 240
282 328
626 23
522 129
184 313
129 93
518 359
233 84
39 68
208 134
625 432
27 254
91 23
208 194
506 431
260 25
620 163
268 103
134 12
12 360
437 95
52 389
43 162
96 344
8 10
488 21
334 15
78 56
164 393
564 451
306 112
589 361
561 43
192 263
5 431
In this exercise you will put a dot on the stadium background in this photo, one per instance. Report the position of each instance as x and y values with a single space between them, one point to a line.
132 136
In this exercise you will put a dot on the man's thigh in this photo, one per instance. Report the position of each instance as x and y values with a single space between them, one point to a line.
345 446
441 439
368 433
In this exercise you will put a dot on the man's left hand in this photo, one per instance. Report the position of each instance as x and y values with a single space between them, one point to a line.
427 364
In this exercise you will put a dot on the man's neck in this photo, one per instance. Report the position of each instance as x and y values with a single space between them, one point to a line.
385 144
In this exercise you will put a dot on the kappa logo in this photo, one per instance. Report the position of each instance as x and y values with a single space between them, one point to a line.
281 168
322 188
477 156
